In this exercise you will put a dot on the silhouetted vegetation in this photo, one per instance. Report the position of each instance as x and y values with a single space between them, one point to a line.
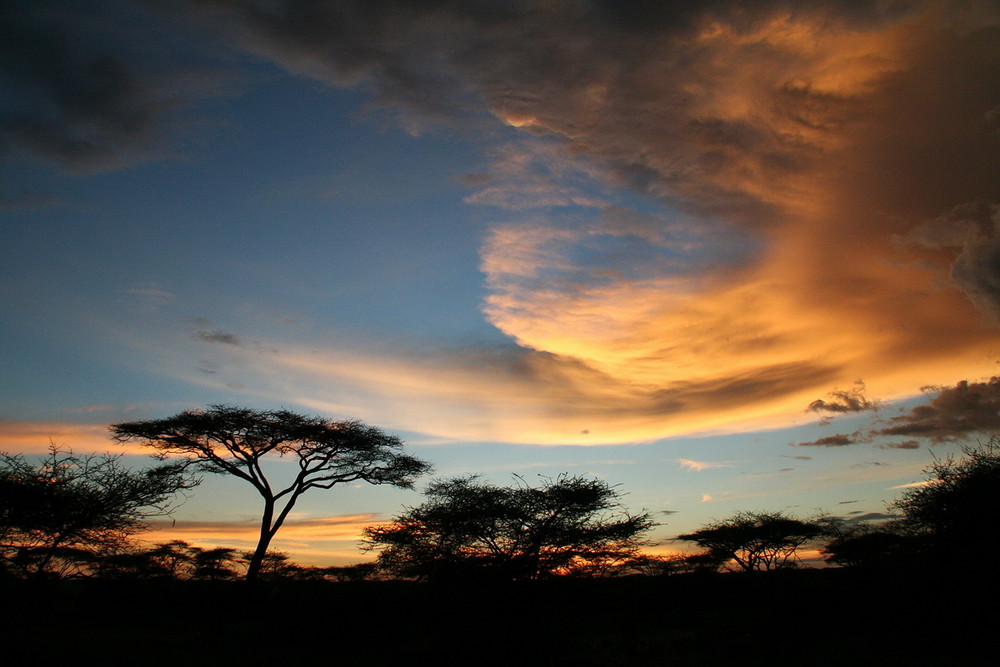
953 513
755 541
554 572
65 514
871 547
958 508
237 441
469 528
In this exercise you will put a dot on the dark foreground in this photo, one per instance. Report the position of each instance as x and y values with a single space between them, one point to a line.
807 617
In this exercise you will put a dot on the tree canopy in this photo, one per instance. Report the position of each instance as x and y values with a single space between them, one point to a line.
59 514
468 527
755 540
237 441
957 508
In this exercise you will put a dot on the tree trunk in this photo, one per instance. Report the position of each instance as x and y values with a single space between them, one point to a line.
266 533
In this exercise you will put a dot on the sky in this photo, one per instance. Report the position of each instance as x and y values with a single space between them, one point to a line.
727 256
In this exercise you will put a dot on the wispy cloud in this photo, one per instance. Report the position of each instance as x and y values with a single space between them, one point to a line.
218 336
315 541
699 466
148 297
912 485
345 527
37 437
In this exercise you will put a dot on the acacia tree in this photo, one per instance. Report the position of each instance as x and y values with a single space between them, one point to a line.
755 540
237 441
68 509
472 528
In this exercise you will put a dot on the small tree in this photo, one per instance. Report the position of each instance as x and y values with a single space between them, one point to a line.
58 515
237 441
472 528
755 540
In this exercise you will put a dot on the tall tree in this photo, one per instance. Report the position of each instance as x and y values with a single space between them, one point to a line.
65 510
237 441
472 528
755 540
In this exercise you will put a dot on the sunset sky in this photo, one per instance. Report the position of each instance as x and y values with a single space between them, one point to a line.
727 255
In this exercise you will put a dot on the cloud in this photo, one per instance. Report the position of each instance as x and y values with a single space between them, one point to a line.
36 437
951 414
912 485
838 440
973 230
85 90
977 272
711 213
800 139
148 297
218 336
850 400
345 527
954 412
517 395
698 466
314 541
907 444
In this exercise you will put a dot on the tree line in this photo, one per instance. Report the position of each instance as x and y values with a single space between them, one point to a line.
77 515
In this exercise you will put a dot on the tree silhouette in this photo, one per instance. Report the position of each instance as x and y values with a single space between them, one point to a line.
755 540
54 517
957 509
871 547
472 528
179 560
237 441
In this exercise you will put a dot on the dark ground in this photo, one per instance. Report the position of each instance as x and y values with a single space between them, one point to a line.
805 617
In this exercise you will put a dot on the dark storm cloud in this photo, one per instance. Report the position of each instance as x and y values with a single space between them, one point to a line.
621 85
977 272
955 412
83 87
972 229
966 408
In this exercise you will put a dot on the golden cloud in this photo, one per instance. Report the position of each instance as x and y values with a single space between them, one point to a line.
796 162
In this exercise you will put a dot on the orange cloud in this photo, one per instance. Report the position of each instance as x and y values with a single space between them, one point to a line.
37 437
802 168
